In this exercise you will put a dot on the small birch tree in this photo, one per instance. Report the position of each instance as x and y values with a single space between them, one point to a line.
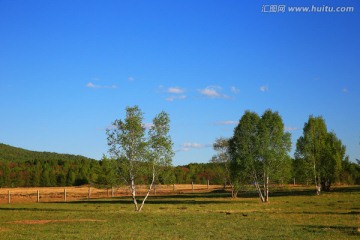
139 154
160 151
221 146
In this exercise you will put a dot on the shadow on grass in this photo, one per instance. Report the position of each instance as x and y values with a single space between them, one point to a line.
346 189
41 209
202 199
352 231
299 192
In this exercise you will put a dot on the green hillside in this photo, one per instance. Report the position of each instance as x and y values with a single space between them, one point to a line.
24 168
14 154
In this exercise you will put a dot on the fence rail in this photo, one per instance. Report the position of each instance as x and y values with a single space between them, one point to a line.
67 194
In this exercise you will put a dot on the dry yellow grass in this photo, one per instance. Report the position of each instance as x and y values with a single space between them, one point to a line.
56 194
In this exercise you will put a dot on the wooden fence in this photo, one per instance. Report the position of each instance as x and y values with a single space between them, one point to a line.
83 193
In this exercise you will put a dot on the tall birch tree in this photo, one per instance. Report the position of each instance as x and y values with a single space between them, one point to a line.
320 152
258 149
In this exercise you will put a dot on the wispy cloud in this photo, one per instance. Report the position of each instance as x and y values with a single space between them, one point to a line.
185 147
177 93
148 125
130 78
173 98
228 122
234 90
290 129
264 88
175 90
213 92
92 85
345 90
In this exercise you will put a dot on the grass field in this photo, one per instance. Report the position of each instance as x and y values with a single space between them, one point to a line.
293 213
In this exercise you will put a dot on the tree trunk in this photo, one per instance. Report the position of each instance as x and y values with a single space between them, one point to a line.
258 189
133 194
149 190
234 192
147 194
317 184
267 189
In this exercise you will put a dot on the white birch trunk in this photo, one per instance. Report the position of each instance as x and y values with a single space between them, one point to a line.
258 189
133 194
267 189
149 190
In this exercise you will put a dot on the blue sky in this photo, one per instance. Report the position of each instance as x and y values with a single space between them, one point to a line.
69 68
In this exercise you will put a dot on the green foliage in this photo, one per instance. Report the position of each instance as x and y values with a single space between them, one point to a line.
259 150
140 156
320 154
24 168
107 175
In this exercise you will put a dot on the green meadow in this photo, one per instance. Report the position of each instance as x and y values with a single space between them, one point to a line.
291 214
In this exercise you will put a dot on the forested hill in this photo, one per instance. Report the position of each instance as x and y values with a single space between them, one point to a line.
14 154
20 167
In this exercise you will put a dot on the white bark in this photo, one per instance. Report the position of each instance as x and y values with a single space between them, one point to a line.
133 194
149 190
258 189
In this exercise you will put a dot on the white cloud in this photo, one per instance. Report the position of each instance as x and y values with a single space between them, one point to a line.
192 145
172 98
235 90
228 122
345 90
91 85
213 92
210 92
290 129
148 125
264 88
185 147
131 78
175 90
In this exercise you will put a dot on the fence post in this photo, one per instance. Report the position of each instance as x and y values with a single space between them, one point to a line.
112 192
155 189
64 194
38 196
192 186
208 183
89 193
173 187
294 182
9 197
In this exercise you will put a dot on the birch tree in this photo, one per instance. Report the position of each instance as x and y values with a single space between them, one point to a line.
274 145
221 146
320 152
139 154
258 149
243 149
160 151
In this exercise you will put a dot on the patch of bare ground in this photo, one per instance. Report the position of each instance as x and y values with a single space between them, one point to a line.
28 222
